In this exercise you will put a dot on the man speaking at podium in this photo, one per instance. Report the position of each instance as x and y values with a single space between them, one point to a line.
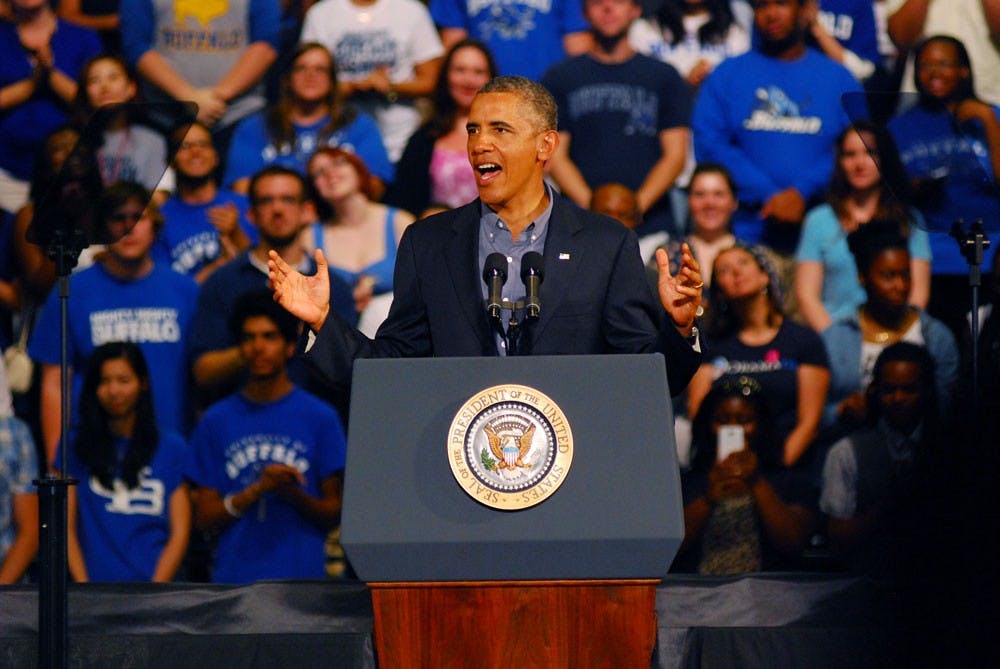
588 288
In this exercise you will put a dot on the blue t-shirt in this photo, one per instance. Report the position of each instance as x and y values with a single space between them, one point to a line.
252 149
525 37
773 127
24 128
930 146
230 447
123 531
188 240
153 312
824 240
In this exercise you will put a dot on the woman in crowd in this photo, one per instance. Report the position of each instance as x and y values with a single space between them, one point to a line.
743 512
130 517
310 113
692 35
826 278
435 161
358 235
747 334
886 317
711 203
129 150
950 145
40 60
388 54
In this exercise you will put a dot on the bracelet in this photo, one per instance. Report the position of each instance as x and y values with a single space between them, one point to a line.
227 503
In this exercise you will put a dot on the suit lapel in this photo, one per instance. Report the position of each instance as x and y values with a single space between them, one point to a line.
563 258
462 259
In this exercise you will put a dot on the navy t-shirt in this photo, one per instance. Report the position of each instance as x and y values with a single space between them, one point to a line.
774 365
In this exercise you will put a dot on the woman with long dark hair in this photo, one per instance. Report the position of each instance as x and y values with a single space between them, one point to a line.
868 183
130 517
436 160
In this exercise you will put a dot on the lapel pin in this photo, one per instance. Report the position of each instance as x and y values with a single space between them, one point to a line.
563 256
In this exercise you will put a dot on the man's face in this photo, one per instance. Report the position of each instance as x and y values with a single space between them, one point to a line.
278 209
507 149
134 230
611 18
196 157
777 21
263 348
900 394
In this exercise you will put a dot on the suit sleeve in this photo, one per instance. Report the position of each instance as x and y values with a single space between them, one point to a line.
405 332
633 314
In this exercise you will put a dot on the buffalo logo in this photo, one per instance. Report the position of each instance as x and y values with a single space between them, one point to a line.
204 11
510 447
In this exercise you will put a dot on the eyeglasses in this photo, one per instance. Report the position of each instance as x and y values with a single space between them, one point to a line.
203 144
268 200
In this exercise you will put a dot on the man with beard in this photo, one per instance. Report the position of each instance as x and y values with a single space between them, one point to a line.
771 117
622 117
206 226
279 209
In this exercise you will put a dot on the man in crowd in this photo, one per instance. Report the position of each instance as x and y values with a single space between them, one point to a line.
594 296
267 462
279 209
125 296
622 117
767 119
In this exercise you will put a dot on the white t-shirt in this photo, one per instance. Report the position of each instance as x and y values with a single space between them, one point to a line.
397 34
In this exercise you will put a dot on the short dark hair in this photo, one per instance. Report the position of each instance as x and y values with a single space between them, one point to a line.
260 303
536 96
873 239
273 171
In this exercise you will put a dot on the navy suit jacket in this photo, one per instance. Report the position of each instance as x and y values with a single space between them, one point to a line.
594 299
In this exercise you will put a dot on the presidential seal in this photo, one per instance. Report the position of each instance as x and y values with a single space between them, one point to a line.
510 447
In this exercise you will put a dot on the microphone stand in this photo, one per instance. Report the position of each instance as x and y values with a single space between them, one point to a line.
973 244
53 628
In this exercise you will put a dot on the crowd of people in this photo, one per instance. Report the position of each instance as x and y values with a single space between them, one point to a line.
772 144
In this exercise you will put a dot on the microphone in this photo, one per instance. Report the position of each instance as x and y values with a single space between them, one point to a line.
495 276
532 275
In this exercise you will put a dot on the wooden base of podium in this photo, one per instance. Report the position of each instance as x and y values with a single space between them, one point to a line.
546 624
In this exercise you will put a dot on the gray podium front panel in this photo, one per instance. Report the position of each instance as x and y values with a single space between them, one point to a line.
618 513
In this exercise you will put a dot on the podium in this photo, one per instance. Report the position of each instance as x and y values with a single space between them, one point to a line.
569 581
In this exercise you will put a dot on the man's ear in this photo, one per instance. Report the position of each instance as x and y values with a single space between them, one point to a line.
548 142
